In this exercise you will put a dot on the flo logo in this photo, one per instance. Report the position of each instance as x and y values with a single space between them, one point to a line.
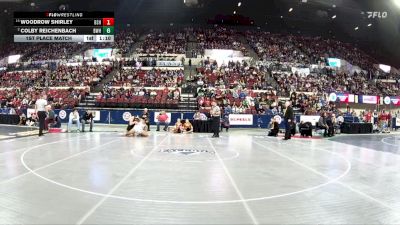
376 14
182 151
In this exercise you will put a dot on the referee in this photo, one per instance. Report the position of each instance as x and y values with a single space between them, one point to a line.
40 107
215 115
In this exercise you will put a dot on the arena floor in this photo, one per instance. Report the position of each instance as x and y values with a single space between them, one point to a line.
242 178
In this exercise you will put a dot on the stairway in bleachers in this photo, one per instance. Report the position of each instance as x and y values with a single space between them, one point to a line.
250 50
89 100
188 102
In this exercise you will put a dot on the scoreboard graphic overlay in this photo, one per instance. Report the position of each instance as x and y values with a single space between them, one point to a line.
63 26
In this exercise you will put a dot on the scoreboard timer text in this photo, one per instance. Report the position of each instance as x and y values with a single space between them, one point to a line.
63 27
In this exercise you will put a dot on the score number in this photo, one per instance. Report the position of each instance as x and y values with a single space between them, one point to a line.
108 26
104 22
108 21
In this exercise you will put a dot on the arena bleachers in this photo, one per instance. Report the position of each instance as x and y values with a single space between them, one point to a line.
277 54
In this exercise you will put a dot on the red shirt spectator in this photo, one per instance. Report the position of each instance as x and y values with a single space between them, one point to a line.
368 117
162 117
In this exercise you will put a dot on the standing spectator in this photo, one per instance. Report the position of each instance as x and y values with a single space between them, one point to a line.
146 118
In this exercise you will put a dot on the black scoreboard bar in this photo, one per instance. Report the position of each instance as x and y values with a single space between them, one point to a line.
64 14
63 26
60 30
57 22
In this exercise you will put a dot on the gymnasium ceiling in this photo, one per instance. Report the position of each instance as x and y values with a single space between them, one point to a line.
311 17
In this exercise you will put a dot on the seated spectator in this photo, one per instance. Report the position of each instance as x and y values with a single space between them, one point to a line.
197 116
225 122
56 123
87 118
74 119
33 120
162 119
322 124
50 117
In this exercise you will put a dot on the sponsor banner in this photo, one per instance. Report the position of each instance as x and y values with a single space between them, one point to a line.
332 97
312 119
301 71
387 100
351 98
126 116
157 113
96 115
395 101
334 62
29 112
169 63
241 119
368 99
342 97
278 119
62 114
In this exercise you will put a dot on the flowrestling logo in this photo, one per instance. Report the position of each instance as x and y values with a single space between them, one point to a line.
183 151
62 114
126 116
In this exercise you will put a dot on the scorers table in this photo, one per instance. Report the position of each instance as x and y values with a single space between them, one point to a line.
63 27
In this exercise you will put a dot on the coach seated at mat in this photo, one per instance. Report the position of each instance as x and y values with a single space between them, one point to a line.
50 117
56 123
305 129
274 128
87 118
74 119
32 120
322 124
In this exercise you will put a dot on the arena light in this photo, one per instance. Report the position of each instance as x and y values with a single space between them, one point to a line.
234 12
291 9
239 4
334 16
385 68
397 3
370 24
356 28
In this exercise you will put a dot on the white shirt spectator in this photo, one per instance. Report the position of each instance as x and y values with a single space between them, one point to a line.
75 116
